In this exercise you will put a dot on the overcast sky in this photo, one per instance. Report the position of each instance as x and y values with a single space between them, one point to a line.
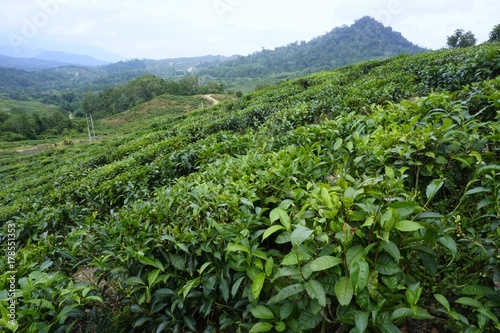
160 29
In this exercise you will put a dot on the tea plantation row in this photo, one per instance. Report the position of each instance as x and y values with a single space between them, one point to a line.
360 200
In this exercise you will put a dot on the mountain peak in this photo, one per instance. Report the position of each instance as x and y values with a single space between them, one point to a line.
365 39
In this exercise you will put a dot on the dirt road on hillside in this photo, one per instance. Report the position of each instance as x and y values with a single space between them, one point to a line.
211 99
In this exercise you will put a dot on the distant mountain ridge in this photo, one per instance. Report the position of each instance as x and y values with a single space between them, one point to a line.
73 59
29 63
27 59
366 39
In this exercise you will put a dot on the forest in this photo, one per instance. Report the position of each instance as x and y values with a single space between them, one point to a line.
362 199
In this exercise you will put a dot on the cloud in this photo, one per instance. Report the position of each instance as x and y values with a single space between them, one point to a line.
174 28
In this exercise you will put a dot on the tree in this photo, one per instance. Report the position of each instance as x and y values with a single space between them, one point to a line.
495 34
461 39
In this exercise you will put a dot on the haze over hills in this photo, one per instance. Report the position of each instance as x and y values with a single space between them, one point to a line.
49 72
46 60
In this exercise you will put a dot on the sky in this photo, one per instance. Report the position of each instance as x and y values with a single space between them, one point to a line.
160 29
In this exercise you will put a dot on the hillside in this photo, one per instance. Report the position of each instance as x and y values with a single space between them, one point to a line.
366 39
364 199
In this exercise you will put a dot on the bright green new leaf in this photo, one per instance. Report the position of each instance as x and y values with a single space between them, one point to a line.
433 188
203 267
152 277
487 169
280 327
257 284
262 312
413 293
408 226
343 291
280 214
271 230
444 302
420 314
293 258
269 266
237 248
326 198
338 144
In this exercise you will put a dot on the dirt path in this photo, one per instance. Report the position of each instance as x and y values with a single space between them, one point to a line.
210 98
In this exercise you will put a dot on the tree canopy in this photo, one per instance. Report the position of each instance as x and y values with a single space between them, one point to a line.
461 39
495 34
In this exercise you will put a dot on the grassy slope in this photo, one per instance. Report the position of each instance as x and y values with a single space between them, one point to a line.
334 151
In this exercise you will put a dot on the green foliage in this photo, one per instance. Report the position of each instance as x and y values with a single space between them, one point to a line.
364 40
495 34
140 90
29 120
363 199
461 39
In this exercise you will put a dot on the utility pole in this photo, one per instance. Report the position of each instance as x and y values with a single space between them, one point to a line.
88 127
93 130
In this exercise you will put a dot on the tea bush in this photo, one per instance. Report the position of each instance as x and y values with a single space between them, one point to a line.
364 200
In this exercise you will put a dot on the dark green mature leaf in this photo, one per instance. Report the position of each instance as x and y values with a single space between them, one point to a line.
387 266
141 321
315 290
300 234
477 290
469 301
354 253
450 244
429 262
236 286
133 281
308 320
389 328
324 263
392 249
286 292
360 273
361 320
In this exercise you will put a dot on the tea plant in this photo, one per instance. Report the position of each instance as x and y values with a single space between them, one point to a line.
363 199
